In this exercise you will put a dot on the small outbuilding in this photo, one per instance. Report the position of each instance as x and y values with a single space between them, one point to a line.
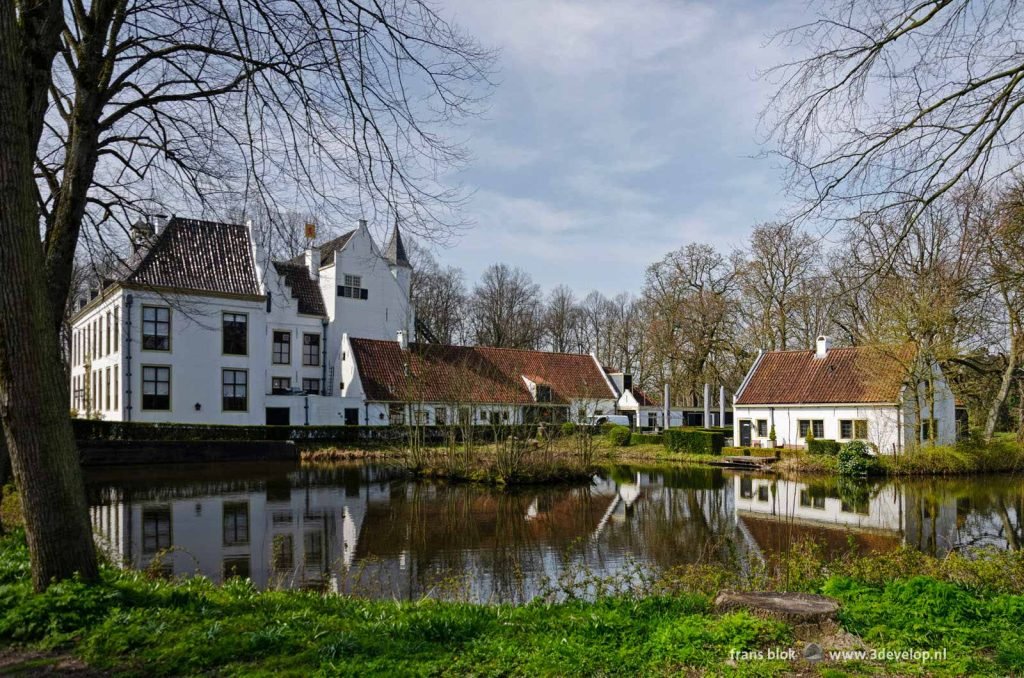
850 393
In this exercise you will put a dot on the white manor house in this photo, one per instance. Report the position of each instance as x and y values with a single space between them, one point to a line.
204 327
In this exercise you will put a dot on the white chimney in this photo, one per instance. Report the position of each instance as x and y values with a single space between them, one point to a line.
313 262
403 341
823 345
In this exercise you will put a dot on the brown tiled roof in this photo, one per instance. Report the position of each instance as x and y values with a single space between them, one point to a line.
328 248
439 373
857 374
304 288
776 535
205 256
643 399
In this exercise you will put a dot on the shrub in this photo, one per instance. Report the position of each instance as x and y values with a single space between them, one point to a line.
606 427
619 436
568 428
694 440
822 446
647 439
856 460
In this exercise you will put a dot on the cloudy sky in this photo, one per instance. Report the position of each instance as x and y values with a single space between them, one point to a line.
618 131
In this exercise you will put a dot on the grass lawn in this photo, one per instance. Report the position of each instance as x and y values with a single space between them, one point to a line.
130 625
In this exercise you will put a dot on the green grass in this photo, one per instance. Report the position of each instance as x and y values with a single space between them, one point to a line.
132 625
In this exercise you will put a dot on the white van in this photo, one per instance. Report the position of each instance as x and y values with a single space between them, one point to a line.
617 419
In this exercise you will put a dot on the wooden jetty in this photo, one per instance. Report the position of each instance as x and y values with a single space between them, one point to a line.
747 463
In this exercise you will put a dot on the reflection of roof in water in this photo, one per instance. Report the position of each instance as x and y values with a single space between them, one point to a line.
453 518
775 535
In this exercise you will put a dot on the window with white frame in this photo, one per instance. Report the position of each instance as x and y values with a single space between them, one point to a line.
311 350
816 427
156 387
282 349
762 428
235 334
280 385
853 429
156 328
353 288
234 390
311 386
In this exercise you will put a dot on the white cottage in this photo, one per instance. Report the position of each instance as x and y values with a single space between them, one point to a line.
842 394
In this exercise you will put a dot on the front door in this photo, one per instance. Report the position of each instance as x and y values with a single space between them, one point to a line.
351 416
745 433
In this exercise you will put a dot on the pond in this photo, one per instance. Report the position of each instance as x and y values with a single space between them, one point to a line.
363 529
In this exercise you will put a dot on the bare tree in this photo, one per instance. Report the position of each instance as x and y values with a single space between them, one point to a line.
439 297
690 296
505 309
895 103
780 261
118 108
561 320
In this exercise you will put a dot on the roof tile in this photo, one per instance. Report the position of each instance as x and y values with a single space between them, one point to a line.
439 373
857 374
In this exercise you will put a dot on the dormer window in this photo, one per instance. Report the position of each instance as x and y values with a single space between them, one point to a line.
353 288
543 393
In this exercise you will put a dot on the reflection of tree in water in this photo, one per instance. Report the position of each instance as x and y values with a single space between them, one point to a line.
681 516
424 533
944 514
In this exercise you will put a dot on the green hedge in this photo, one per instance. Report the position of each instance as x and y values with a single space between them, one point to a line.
823 446
648 439
694 440
619 436
97 430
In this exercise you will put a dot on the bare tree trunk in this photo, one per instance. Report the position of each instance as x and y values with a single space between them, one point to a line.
1004 388
33 394
3 477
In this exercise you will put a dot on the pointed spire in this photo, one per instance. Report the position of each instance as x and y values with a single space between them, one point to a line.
395 251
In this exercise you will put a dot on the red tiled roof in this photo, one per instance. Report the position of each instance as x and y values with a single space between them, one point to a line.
858 374
439 373
643 399
199 255
303 287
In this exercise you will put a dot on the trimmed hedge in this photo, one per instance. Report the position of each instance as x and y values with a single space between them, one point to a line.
694 440
823 446
98 430
619 436
647 439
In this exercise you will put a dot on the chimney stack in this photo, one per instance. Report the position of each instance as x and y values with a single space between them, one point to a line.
313 261
824 343
403 341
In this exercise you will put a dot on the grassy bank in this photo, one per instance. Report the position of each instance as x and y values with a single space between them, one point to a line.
1002 455
131 625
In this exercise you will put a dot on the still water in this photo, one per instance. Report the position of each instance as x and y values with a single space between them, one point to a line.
363 529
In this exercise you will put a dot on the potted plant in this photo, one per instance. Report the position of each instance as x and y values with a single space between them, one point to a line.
771 437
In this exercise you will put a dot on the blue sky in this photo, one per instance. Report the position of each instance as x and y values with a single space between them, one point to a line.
618 132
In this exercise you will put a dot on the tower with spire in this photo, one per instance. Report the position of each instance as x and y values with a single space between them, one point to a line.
398 261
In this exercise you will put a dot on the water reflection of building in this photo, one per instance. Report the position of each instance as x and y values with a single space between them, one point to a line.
291 532
774 512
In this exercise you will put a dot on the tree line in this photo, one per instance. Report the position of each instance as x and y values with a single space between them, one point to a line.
950 281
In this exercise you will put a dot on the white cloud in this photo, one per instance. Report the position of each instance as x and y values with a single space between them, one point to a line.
618 131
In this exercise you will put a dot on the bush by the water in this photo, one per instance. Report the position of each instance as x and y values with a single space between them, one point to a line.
855 459
694 440
568 428
822 446
619 436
